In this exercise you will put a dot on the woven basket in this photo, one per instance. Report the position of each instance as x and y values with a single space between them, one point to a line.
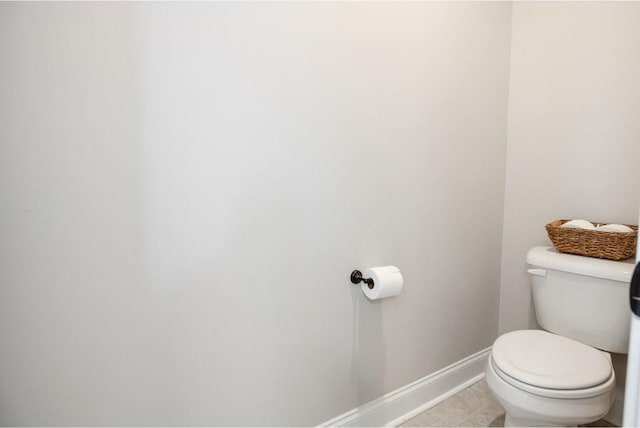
593 243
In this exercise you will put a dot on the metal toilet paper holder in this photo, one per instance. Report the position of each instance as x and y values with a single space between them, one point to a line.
356 278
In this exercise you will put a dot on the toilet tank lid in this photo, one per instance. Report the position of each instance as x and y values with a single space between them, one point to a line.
547 257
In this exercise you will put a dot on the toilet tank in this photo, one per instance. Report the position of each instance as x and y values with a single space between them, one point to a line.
582 298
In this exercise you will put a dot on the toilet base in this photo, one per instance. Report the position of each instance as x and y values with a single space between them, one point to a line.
510 421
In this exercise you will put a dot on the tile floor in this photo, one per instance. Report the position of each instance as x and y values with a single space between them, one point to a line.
471 407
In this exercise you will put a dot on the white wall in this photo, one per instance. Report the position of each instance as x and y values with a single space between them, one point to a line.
185 188
573 134
573 130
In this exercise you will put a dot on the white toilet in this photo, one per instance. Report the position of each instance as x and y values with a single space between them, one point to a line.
563 376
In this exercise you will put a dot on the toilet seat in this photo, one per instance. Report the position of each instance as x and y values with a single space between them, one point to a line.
556 393
531 408
552 366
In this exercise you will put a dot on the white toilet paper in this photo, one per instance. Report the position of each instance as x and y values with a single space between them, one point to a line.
387 282
579 224
614 228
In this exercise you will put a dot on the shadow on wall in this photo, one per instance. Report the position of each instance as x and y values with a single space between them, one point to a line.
369 355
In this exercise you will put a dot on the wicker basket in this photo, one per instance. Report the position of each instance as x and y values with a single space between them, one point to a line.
593 243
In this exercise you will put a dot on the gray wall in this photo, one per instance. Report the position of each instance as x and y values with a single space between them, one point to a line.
573 130
185 188
573 133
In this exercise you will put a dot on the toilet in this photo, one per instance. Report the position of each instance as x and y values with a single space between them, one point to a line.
562 375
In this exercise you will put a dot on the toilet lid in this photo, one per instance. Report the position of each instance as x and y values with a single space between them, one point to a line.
547 360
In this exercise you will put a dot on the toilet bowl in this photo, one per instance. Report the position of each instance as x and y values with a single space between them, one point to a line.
542 379
562 376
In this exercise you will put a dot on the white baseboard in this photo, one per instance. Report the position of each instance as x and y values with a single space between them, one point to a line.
408 401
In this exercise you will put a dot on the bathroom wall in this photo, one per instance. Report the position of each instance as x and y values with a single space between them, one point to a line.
185 188
573 135
573 130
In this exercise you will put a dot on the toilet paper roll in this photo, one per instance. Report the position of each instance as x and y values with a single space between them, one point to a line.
621 228
579 224
387 282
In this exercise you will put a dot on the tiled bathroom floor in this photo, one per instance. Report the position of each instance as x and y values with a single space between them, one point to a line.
471 407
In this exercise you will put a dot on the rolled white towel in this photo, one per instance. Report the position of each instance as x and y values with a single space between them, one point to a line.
621 228
579 224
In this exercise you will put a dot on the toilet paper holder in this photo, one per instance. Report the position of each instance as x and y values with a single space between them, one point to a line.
356 278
